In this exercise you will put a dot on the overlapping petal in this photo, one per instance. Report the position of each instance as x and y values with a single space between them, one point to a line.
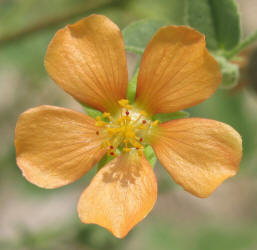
176 71
87 59
55 146
120 195
198 153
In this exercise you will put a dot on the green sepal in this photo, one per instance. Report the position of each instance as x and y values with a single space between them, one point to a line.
138 34
91 111
150 155
170 116
230 72
105 159
219 20
132 87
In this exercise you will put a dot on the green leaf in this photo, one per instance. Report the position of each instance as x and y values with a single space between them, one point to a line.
230 72
150 155
138 34
91 111
219 20
171 116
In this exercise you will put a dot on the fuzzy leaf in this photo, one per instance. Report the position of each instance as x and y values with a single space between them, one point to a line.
219 20
138 34
230 72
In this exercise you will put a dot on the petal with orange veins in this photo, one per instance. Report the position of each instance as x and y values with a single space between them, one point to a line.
176 71
88 60
120 195
56 146
198 153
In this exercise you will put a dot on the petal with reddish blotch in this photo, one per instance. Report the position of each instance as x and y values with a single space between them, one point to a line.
56 146
198 153
88 60
120 195
176 71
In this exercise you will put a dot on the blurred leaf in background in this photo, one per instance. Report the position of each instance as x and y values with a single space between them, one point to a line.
218 19
138 34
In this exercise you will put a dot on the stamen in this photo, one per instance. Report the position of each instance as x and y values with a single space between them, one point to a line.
140 152
126 131
100 123
142 127
126 149
106 115
155 123
128 107
143 113
123 102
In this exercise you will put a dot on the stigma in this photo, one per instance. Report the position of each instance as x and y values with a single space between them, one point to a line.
127 131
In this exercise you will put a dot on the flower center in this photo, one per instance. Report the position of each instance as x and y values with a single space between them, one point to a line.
127 131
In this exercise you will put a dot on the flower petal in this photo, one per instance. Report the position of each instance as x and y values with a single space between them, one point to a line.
176 71
198 153
120 195
56 146
87 59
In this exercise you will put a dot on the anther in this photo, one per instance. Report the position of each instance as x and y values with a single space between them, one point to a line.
100 123
127 113
155 123
141 139
144 121
142 127
112 153
126 149
128 106
105 114
140 152
142 112
123 102
111 147
97 132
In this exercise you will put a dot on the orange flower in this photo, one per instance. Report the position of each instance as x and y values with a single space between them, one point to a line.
56 146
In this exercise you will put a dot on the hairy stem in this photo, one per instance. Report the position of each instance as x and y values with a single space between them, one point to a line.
246 42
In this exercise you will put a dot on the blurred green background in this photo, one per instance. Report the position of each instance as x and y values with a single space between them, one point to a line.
37 219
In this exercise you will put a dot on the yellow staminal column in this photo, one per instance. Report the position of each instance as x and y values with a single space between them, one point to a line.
125 131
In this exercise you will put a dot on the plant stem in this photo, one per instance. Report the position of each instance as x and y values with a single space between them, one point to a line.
246 42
